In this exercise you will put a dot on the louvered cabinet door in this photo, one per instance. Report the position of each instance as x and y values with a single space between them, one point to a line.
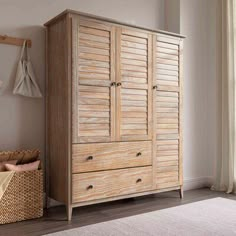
134 79
93 87
167 106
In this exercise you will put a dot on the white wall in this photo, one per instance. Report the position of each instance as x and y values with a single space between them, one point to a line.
22 119
172 15
198 23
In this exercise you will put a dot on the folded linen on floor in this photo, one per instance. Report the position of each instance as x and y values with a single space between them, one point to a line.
5 178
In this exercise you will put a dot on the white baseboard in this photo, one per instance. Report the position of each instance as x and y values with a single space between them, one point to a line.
200 182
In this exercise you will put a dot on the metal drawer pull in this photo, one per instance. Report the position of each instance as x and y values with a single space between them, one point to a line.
118 84
90 187
139 154
89 158
113 83
154 87
139 180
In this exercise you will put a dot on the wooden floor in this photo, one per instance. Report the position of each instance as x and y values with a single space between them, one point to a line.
54 219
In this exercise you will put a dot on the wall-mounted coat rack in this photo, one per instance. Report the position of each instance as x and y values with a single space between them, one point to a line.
4 39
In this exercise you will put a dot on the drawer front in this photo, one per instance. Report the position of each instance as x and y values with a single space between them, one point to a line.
107 156
104 184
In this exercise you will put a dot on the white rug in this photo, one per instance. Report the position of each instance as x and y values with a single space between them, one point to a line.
209 217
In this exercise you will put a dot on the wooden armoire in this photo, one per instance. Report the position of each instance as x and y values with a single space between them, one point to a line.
114 110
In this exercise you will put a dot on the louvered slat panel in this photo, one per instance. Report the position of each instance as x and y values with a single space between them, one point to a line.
134 92
95 95
167 114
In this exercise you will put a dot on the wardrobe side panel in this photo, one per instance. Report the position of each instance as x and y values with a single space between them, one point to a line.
181 114
58 109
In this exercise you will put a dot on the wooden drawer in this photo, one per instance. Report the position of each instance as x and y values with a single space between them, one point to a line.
104 184
107 156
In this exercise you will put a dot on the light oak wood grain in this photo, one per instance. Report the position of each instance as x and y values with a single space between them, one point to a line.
133 56
132 90
167 126
168 174
167 62
134 62
133 45
108 156
136 74
134 103
135 85
168 163
94 82
167 136
99 51
167 72
167 39
167 51
167 77
167 103
94 24
167 67
134 50
167 45
134 97
134 39
167 99
92 31
58 113
93 44
163 120
91 63
162 55
134 68
110 183
94 38
181 117
168 158
167 93
167 169
167 83
95 57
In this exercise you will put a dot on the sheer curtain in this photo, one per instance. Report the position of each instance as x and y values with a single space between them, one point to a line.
226 166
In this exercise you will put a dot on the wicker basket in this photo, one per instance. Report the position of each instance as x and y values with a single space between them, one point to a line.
23 198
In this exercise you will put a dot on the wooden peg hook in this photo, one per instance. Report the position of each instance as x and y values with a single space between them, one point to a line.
4 39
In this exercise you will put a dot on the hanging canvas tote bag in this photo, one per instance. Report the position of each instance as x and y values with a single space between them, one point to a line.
25 83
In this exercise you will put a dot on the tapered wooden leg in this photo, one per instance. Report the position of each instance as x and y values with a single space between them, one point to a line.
69 210
181 192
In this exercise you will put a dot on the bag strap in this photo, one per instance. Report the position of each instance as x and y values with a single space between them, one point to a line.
27 51
23 50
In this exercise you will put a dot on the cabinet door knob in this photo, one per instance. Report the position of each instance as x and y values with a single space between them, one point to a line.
139 154
89 158
113 84
139 180
90 187
154 87
118 84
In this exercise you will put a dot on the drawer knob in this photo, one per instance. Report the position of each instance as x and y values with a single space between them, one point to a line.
89 158
139 154
113 84
139 180
118 84
90 187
